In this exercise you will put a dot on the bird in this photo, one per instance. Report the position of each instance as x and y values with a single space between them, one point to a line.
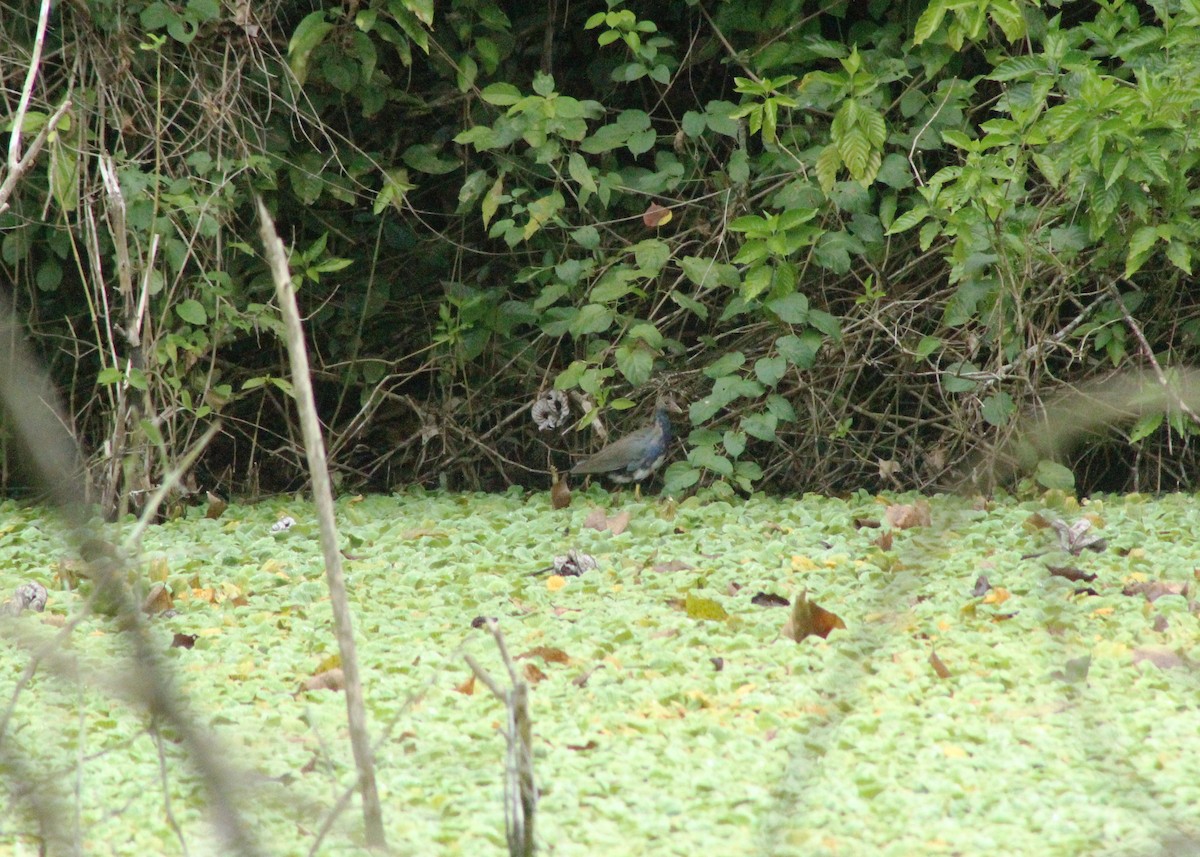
634 457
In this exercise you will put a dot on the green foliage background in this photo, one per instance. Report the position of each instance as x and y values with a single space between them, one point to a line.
895 228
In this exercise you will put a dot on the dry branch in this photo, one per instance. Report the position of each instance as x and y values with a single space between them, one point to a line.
314 446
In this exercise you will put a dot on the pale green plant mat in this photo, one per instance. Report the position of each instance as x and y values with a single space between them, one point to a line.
1067 723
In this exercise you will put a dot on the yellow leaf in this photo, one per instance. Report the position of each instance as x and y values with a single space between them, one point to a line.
704 608
802 563
556 582
997 595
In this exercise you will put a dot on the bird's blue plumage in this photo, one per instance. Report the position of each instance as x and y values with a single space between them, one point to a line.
635 456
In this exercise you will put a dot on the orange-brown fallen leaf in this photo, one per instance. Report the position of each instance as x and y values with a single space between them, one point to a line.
938 667
809 618
533 675
216 506
904 516
329 680
548 654
158 600
655 216
560 491
467 688
1155 589
599 521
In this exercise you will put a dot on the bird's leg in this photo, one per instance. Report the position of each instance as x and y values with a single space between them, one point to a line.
637 492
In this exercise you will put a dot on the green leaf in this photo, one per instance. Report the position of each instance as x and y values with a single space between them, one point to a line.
578 169
113 375
701 271
770 370
734 443
1052 475
651 255
309 34
1146 425
679 476
801 350
635 363
491 200
791 309
725 365
501 94
707 457
424 158
756 281
998 409
761 426
587 237
192 311
592 318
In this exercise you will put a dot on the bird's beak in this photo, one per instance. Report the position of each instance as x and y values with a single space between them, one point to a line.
671 405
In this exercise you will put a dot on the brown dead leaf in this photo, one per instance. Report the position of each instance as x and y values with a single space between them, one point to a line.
216 506
1037 521
583 748
982 585
1156 589
938 667
333 679
560 491
1160 656
533 675
618 523
1071 573
732 588
1161 623
867 524
718 663
905 516
655 216
467 688
548 655
481 621
672 565
596 520
769 599
158 600
884 541
183 641
810 618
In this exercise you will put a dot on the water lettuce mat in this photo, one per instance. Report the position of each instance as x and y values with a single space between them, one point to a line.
1008 679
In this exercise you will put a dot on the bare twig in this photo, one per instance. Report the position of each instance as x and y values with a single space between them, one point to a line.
323 499
520 788
17 164
1148 353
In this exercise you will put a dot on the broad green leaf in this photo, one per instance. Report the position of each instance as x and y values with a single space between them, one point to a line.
725 365
1146 425
998 409
192 311
501 94
578 169
1052 475
791 309
309 34
769 370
